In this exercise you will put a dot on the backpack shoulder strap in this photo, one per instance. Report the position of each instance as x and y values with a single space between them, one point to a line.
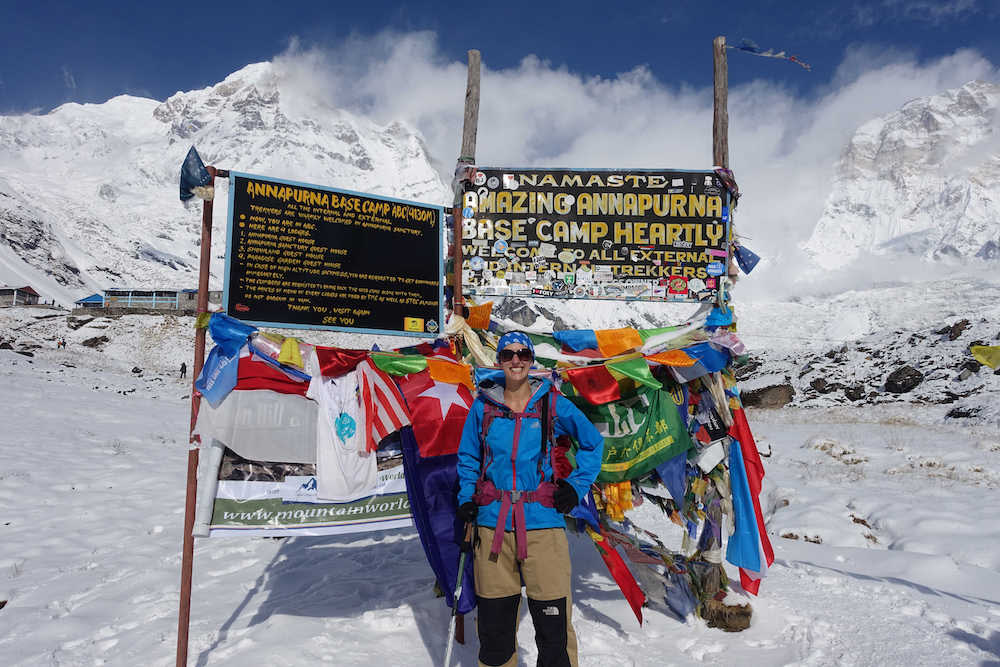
490 412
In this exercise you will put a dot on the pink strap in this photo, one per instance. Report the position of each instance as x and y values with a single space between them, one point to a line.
520 533
487 492
499 530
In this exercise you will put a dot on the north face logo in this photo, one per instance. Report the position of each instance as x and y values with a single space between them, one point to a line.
551 611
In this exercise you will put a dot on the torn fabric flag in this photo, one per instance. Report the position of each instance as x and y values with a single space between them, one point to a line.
193 174
750 47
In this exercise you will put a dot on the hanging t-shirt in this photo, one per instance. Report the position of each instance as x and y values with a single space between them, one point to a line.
345 471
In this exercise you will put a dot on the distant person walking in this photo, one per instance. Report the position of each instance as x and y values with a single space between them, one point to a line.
184 370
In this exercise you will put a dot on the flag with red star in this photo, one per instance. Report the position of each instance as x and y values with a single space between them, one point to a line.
438 411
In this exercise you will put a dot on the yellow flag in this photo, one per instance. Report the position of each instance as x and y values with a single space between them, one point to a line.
290 354
986 355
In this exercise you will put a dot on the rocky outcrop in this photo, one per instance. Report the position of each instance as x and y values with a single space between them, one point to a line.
903 379
926 366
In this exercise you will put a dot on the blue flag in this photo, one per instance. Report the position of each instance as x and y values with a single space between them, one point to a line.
193 174
218 375
746 258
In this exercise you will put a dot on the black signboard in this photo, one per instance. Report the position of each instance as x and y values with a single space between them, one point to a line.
307 256
651 235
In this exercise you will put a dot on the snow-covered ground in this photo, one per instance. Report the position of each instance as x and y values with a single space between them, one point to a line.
894 557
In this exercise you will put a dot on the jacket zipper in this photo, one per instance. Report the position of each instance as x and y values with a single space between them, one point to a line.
513 450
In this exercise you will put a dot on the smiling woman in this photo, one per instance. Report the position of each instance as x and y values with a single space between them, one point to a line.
509 490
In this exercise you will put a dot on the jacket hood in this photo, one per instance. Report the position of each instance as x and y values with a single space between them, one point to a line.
492 390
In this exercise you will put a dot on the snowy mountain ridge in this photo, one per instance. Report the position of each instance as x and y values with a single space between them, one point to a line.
88 193
921 180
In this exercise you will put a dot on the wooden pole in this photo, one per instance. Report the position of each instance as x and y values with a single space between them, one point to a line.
191 497
470 127
720 122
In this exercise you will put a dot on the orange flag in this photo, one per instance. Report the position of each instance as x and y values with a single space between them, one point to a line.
672 358
479 316
615 341
450 372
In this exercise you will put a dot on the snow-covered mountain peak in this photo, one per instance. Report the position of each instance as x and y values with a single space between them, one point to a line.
88 193
919 180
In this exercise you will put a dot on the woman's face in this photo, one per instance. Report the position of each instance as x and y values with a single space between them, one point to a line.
516 367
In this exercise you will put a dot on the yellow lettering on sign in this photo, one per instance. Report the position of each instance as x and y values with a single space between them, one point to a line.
677 204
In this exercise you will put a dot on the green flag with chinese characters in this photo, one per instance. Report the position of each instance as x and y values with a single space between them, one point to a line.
640 433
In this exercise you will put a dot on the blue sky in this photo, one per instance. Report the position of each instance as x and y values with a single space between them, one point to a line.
56 52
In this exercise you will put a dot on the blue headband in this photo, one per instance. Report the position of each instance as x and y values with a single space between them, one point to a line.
514 337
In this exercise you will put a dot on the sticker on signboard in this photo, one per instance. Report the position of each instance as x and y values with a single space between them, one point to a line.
432 326
480 178
584 276
659 290
569 278
569 200
477 263
487 275
715 268
696 284
530 275
468 212
566 256
483 192
710 282
546 249
500 247
414 324
539 261
678 285
509 182
677 183
502 263
606 244
493 183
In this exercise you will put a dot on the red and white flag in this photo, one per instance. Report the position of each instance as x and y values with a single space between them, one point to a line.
384 407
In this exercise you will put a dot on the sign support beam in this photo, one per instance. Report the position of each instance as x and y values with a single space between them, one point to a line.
187 551
720 121
470 128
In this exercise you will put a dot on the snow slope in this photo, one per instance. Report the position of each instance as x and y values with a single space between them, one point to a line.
900 566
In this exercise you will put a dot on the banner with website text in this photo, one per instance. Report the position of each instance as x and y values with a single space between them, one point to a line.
652 235
275 499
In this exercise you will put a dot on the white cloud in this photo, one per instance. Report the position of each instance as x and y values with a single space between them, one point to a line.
68 78
783 146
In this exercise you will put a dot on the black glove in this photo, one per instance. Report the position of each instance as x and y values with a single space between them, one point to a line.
467 513
565 498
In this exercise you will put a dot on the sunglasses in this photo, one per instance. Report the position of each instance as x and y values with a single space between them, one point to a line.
524 354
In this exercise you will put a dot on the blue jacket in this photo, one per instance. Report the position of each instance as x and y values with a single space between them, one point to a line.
522 473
